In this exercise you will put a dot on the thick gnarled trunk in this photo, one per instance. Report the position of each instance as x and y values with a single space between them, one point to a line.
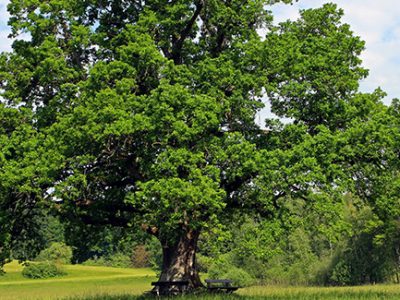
179 264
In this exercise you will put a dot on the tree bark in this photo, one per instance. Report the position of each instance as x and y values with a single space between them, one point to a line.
179 263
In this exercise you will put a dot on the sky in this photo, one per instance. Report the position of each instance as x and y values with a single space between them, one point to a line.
376 21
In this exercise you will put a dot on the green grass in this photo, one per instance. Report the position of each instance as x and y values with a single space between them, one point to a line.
102 283
81 281
311 293
289 293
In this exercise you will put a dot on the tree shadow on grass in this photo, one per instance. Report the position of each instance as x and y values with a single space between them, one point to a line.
200 296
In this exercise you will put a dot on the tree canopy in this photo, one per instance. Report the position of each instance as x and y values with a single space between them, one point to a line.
142 113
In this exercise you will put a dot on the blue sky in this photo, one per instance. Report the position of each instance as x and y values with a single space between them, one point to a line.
376 21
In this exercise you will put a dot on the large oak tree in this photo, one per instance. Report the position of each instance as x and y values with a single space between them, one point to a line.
142 113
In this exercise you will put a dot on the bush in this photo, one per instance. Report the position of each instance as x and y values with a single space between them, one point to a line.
57 252
96 261
42 270
117 260
240 277
203 263
224 270
340 274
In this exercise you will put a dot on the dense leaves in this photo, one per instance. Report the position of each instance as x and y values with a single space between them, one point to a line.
319 87
142 114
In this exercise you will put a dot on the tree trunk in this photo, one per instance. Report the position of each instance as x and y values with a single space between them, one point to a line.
179 264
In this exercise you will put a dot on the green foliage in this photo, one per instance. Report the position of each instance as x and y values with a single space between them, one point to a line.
25 167
116 260
297 264
43 270
203 263
363 257
238 276
120 260
154 248
129 254
320 88
143 116
224 269
57 252
48 229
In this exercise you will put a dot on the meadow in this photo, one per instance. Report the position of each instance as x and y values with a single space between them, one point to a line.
81 281
104 283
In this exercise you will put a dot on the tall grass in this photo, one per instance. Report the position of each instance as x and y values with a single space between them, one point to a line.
281 293
306 296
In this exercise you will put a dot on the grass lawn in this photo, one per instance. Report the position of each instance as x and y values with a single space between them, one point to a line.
101 283
367 292
80 281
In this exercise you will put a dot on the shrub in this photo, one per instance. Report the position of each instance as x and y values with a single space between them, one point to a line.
95 261
340 274
57 252
225 270
117 260
240 277
203 263
43 270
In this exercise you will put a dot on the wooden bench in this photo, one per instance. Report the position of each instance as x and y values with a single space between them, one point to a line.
161 286
219 285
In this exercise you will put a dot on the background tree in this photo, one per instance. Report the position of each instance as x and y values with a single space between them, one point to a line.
23 169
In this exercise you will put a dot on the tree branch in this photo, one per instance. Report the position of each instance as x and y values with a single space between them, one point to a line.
177 47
